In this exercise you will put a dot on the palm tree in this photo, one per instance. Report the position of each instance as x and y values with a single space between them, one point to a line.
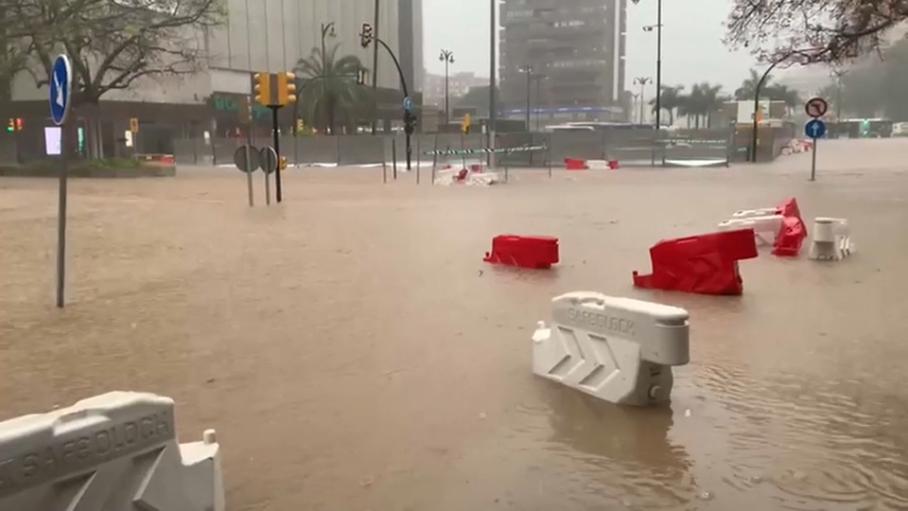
749 86
712 101
780 92
329 89
671 100
704 99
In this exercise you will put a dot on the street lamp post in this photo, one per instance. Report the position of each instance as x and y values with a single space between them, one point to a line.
658 28
493 69
447 57
327 29
642 81
529 71
538 78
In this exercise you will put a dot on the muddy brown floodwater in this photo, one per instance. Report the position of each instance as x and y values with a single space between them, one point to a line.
354 353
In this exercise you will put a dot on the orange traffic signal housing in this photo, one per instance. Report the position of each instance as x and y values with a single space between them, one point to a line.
286 88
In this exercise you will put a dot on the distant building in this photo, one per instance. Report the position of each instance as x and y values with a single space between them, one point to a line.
458 85
575 50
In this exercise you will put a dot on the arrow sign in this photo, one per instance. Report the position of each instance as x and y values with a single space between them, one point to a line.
60 88
815 129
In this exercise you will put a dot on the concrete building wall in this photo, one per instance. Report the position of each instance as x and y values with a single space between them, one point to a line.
578 46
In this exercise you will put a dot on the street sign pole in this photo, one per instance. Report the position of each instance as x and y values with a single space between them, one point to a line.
60 101
61 221
249 174
815 129
813 165
277 149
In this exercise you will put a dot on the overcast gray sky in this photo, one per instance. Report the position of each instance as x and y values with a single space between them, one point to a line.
692 40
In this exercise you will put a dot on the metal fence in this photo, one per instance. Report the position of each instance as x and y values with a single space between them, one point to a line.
629 147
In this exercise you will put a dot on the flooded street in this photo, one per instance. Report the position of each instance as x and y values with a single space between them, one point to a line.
354 352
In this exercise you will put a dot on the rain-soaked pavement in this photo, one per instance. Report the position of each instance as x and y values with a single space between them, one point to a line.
354 353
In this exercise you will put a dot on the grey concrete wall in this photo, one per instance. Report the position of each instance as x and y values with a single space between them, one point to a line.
361 149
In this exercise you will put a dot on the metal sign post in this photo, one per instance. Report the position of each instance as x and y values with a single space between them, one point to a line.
814 129
277 151
269 163
60 92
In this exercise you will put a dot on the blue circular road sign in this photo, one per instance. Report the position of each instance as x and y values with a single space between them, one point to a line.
815 129
60 88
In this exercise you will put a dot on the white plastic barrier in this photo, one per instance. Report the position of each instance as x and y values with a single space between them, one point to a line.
617 349
115 452
831 239
766 228
749 213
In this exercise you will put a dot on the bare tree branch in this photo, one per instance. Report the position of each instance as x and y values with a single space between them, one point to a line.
821 30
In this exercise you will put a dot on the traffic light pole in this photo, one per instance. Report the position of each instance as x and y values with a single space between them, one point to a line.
277 149
408 129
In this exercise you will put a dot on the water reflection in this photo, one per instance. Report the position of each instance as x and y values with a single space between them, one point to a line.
826 444
625 449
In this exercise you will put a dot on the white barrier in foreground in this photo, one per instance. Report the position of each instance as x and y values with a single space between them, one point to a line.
617 349
114 452
831 240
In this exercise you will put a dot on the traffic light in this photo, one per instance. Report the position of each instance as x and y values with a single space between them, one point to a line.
467 124
409 122
300 126
283 162
365 37
262 88
286 88
20 124
361 76
11 125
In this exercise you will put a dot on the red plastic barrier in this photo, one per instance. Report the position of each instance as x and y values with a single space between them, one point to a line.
793 232
706 264
613 165
573 164
538 252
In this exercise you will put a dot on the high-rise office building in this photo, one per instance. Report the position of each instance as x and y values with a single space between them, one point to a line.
574 52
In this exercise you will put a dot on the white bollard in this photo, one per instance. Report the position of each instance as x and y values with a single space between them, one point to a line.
114 451
617 349
766 228
831 240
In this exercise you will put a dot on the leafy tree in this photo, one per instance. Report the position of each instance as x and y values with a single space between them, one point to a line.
329 89
670 100
820 31
111 43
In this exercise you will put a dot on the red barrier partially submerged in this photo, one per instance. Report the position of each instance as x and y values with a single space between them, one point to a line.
793 232
538 252
706 264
